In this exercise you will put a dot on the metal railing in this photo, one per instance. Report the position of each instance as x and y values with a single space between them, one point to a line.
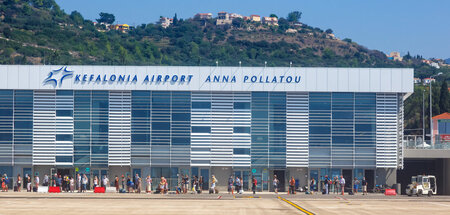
416 142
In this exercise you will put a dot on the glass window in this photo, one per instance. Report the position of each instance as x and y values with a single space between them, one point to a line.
5 136
142 138
241 151
23 124
63 159
64 137
201 129
140 113
241 130
181 116
242 105
64 93
64 113
160 126
201 105
181 141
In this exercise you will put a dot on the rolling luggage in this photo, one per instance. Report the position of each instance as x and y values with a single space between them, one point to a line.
211 190
35 189
15 188
122 191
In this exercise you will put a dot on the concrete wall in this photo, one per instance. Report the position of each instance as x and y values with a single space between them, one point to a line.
300 174
446 174
386 176
222 174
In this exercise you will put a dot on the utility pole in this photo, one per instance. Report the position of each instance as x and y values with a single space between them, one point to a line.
431 112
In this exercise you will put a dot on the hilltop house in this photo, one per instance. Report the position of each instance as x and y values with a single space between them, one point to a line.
203 16
395 56
270 20
223 18
165 22
255 18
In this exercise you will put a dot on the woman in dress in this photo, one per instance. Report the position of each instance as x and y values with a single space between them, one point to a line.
148 181
19 183
95 182
161 185
71 184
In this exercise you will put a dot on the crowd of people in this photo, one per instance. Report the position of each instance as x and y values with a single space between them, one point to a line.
134 184
336 185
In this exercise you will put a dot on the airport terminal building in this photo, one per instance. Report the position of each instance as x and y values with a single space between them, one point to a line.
167 121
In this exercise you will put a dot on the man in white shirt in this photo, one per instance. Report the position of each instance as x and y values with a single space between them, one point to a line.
105 181
342 183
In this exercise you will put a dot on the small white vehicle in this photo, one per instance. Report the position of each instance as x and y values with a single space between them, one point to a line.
422 185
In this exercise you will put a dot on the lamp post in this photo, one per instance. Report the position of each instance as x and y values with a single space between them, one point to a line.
431 111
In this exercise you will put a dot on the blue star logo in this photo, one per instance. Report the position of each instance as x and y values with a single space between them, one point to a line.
62 72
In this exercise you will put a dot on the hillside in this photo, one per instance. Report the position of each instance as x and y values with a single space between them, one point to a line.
39 32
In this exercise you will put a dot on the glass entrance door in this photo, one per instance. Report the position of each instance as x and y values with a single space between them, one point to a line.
204 173
100 173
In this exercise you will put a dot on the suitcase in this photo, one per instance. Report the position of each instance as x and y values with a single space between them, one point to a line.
122 191
34 189
211 191
350 192
16 189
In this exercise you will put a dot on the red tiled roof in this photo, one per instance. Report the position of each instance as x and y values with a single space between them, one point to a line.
442 116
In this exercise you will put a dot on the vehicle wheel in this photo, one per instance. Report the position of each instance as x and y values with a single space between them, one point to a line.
419 193
430 193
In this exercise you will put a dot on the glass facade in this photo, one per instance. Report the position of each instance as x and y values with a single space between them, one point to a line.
342 128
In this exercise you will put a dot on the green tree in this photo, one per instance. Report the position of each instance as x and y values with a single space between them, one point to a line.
444 100
106 18
77 17
273 15
294 16
329 31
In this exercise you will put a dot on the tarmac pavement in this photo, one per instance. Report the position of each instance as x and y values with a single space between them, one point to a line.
223 203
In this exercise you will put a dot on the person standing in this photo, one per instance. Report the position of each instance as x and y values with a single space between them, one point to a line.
200 184
254 184
342 184
230 185
311 185
364 186
148 188
105 182
355 185
36 182
123 182
95 182
213 184
275 183
79 182
28 183
45 181
19 183
336 185
186 183
136 182
326 184
71 184
84 183
237 184
116 183
291 186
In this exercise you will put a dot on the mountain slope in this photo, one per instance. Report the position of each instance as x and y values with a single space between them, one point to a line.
40 32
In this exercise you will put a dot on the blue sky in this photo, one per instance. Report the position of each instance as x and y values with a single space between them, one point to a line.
421 27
